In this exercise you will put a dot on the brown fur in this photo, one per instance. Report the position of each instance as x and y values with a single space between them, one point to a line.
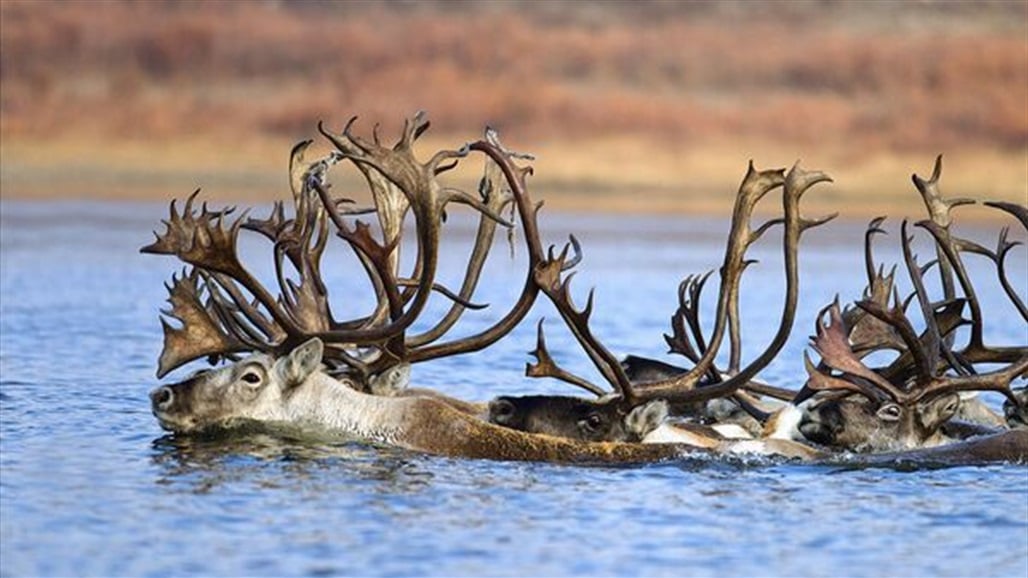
443 430
1010 446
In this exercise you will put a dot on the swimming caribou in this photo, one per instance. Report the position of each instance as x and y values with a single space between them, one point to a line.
292 360
911 401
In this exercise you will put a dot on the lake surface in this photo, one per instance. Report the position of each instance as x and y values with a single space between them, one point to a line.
90 486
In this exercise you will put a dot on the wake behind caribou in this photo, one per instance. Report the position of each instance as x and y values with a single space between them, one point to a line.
290 360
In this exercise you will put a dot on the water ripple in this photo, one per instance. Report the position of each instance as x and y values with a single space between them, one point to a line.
92 487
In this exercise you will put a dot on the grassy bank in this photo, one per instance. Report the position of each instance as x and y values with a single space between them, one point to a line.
641 106
622 174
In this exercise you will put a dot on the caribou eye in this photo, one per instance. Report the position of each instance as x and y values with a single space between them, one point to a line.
251 377
890 412
594 421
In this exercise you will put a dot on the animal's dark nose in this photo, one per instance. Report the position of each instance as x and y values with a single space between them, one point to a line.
162 397
815 430
501 410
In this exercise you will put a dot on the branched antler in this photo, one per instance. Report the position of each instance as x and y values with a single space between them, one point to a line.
688 338
545 366
929 365
1003 247
224 309
558 289
685 323
868 334
754 186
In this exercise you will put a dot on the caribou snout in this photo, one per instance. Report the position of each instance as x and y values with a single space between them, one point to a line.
501 411
814 427
162 398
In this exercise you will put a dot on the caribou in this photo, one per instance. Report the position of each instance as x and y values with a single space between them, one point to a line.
289 359
912 401
294 389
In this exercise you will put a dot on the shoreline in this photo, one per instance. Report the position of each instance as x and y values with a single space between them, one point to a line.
570 176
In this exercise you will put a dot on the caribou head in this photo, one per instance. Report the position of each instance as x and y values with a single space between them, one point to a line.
895 407
258 387
577 418
1016 411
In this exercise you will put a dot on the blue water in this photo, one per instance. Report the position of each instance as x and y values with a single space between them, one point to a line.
90 486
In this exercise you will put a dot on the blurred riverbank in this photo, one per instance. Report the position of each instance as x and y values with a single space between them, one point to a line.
646 107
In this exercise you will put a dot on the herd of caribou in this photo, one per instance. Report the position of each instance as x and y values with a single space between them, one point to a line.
894 379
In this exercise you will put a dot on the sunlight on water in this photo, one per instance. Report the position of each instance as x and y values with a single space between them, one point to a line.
92 487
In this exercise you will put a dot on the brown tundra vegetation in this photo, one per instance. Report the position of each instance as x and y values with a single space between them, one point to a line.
678 93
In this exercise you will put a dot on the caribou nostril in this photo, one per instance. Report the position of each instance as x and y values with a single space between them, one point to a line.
162 397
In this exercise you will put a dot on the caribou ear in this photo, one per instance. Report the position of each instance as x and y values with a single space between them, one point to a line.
645 418
390 382
940 410
302 361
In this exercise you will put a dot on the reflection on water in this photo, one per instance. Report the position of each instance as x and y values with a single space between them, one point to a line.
204 461
90 486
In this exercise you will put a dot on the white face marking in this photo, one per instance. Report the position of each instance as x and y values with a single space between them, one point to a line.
787 424
732 431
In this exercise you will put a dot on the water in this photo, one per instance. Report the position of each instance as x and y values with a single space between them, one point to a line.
90 486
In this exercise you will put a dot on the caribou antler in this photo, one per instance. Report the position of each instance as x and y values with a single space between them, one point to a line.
548 278
921 371
223 309
1003 247
684 388
940 213
868 334
842 370
949 249
755 185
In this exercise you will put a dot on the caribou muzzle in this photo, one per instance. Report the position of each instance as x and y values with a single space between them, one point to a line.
171 406
821 424
162 398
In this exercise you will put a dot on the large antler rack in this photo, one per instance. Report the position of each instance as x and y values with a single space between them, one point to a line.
841 370
691 386
928 365
755 185
222 309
